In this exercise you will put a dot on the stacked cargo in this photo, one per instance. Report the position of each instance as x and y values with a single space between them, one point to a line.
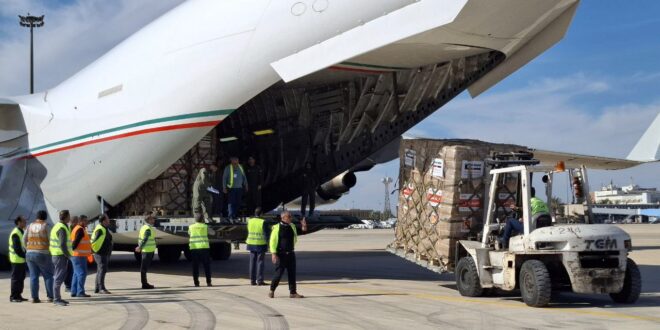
442 196
170 193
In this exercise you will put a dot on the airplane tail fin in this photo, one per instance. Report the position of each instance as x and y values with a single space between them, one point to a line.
647 148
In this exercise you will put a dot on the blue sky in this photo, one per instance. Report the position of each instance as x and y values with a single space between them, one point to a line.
593 93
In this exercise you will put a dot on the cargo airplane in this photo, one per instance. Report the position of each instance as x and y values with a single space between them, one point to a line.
333 82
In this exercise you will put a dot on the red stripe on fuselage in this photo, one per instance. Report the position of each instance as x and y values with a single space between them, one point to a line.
125 135
341 68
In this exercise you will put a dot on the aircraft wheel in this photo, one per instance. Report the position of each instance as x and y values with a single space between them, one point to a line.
467 278
632 285
221 251
535 283
169 253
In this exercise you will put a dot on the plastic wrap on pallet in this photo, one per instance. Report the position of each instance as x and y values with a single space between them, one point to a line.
441 196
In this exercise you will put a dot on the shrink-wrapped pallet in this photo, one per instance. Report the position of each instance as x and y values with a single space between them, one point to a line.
441 196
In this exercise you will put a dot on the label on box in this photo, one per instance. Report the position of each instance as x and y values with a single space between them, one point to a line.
434 197
407 191
472 168
437 168
469 202
410 156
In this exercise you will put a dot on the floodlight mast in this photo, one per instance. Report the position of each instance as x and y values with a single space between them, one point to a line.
31 22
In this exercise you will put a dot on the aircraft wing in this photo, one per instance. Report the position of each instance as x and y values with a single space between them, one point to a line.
550 158
433 31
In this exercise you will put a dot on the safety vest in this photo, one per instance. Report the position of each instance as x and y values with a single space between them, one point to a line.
275 237
84 248
199 236
538 206
37 236
231 175
255 227
13 257
150 245
55 248
98 243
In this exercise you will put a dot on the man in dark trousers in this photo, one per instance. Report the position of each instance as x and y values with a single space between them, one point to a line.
60 251
309 184
146 247
199 246
257 244
102 248
283 238
255 178
17 260
69 265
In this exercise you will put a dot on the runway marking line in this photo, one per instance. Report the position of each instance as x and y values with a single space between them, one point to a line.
606 314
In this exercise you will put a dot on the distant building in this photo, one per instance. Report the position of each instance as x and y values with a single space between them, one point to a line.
626 195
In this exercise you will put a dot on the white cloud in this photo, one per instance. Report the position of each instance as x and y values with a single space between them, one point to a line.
73 36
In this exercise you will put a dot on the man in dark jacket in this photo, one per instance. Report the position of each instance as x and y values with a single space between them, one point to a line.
283 239
102 248
17 260
69 265
254 175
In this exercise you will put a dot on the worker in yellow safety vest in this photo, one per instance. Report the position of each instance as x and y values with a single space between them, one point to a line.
60 250
283 239
147 247
102 248
234 182
200 249
17 260
82 249
257 244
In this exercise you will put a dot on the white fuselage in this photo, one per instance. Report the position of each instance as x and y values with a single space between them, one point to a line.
134 111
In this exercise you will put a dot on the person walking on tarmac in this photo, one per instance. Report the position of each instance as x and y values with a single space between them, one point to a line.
38 257
202 201
257 244
199 249
147 247
60 250
102 248
234 181
17 260
309 185
82 249
283 239
255 177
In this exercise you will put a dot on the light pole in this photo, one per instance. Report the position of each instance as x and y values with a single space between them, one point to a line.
31 22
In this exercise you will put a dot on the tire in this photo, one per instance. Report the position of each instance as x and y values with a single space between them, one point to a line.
467 278
169 254
535 283
221 251
632 285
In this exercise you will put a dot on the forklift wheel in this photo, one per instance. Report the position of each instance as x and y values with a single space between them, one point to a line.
535 284
467 278
632 285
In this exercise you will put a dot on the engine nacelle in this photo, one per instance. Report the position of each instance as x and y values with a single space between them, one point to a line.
333 189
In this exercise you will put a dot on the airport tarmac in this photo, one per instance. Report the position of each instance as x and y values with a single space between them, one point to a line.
349 281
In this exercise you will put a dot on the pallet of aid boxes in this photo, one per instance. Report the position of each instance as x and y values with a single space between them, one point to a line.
442 196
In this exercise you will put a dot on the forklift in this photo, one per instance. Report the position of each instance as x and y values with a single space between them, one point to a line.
547 256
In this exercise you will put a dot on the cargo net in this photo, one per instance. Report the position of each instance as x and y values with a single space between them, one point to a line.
441 198
170 193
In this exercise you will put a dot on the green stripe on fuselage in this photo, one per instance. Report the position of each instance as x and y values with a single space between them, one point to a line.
142 123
